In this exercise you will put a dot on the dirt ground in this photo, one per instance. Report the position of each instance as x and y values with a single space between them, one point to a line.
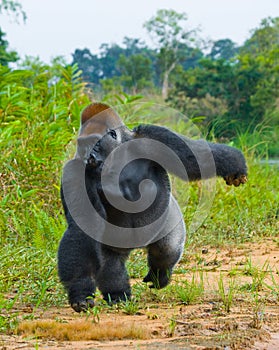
250 324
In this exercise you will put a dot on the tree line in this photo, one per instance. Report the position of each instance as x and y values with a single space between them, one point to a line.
226 88
135 67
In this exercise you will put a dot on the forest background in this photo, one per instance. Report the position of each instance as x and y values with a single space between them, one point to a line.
226 89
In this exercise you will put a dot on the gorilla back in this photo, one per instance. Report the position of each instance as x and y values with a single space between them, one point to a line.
116 196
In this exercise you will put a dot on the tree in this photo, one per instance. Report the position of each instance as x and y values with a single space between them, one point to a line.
223 49
12 8
262 51
168 30
248 86
134 60
192 56
264 38
133 46
89 64
136 71
5 55
109 55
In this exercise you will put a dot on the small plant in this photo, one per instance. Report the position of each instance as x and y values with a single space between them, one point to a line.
172 327
233 272
274 287
8 322
258 274
93 312
130 307
249 269
190 292
8 318
258 312
227 295
136 264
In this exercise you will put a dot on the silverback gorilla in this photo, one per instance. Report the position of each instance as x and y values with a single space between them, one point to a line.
111 211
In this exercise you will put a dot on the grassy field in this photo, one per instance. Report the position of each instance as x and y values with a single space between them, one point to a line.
38 123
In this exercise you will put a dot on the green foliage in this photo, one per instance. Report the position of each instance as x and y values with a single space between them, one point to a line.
237 215
167 27
247 85
230 89
89 64
223 49
5 55
264 38
136 72
189 292
130 307
39 113
256 140
227 293
134 66
168 30
12 8
128 66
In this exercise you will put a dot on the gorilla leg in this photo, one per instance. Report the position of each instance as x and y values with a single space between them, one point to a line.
113 279
163 255
78 263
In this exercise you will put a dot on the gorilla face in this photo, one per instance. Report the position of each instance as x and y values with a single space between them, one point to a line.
106 144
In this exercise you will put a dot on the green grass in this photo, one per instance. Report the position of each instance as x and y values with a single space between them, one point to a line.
240 214
227 294
37 123
189 292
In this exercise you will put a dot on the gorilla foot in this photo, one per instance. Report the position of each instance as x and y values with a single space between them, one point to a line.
83 304
159 279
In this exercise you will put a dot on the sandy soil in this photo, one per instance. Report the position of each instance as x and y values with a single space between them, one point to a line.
202 326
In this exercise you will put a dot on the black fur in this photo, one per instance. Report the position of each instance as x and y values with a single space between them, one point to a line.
196 155
83 262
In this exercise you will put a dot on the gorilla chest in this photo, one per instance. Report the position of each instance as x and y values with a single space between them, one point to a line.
141 196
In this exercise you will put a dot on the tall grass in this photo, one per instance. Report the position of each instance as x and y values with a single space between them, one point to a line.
38 118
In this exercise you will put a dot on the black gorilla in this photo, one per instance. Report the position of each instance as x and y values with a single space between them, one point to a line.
97 242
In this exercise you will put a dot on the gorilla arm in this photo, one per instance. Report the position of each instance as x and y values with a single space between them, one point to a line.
79 195
200 158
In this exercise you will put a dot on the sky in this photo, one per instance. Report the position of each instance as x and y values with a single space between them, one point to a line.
58 27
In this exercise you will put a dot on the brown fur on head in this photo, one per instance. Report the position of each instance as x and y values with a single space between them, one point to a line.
96 120
91 110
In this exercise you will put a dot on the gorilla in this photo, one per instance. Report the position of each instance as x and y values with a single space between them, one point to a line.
116 196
